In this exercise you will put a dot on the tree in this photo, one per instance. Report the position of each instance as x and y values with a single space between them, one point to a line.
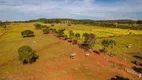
3 24
71 34
27 33
46 31
106 43
26 54
85 34
38 26
77 35
61 32
90 40
52 30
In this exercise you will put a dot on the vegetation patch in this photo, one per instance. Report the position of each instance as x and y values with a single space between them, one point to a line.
27 33
27 55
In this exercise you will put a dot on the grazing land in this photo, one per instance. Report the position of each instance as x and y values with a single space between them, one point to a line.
54 61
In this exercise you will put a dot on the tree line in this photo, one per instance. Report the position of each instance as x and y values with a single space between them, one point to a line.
124 24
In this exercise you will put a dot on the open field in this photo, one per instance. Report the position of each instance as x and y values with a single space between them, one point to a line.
54 62
1 30
122 37
98 31
120 50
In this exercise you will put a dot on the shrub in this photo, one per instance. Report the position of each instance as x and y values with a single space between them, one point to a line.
27 33
46 31
52 30
90 40
74 41
52 24
71 34
85 34
26 54
69 24
103 50
38 26
106 43
77 35
61 32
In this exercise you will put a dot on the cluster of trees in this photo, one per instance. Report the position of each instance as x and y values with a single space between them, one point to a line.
46 30
27 33
131 24
74 35
89 40
108 43
3 25
59 33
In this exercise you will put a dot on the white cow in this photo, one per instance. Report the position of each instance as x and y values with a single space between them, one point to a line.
34 41
87 54
73 55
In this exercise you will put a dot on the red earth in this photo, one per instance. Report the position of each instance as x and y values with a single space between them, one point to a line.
93 67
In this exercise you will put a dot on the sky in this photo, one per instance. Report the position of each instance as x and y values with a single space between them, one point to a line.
14 10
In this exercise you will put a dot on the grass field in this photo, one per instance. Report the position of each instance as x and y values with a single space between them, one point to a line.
122 37
1 30
54 62
120 50
98 31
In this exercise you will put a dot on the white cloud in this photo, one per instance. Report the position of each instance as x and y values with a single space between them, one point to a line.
72 8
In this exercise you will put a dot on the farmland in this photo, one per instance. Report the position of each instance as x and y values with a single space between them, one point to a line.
98 31
54 62
1 30
122 37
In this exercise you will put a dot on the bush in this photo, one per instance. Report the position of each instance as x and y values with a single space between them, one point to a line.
38 26
65 37
27 33
69 24
108 43
77 35
52 24
74 41
89 40
60 32
103 50
71 34
46 31
26 54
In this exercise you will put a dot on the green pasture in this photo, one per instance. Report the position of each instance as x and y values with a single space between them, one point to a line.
122 37
120 50
98 31
1 30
